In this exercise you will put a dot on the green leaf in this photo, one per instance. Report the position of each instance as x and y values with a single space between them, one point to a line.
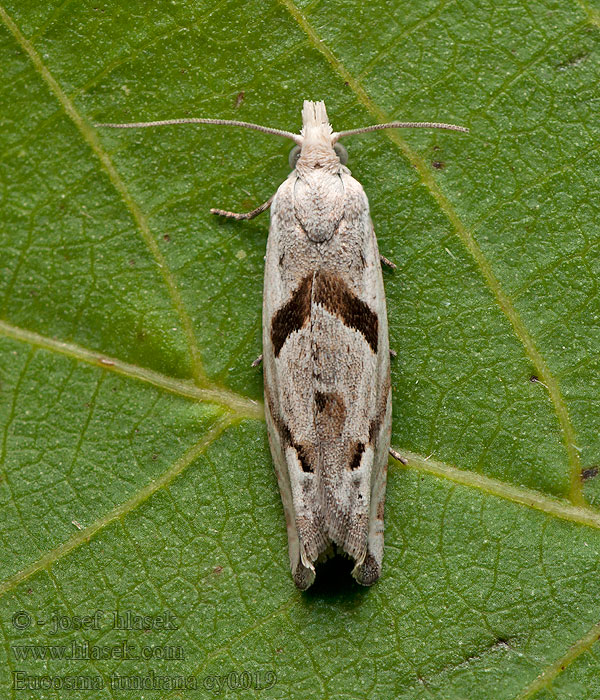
136 474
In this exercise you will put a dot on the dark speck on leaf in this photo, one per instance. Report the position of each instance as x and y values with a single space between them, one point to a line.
503 642
438 165
589 473
572 62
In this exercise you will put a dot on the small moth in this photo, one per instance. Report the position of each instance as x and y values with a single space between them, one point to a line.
326 356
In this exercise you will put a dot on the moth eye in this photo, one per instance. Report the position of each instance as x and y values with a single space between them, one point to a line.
341 153
294 155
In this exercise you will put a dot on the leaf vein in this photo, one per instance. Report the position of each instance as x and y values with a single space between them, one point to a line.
593 15
545 678
91 138
239 405
562 509
49 558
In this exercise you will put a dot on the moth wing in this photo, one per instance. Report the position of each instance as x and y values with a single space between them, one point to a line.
288 388
352 387
380 428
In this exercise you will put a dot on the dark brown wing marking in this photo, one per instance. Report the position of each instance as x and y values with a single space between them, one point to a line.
333 293
292 315
305 454
356 457
331 412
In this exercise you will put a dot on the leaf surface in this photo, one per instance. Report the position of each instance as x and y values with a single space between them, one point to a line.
136 476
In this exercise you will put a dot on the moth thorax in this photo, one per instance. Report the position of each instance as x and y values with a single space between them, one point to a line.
318 156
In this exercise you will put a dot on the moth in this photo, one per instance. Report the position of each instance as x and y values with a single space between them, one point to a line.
326 356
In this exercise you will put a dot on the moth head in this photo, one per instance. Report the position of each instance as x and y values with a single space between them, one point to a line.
340 151
317 148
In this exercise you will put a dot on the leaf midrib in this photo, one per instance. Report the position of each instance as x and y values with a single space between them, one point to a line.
241 406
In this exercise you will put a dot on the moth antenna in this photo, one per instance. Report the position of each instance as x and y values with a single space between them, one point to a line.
399 125
195 120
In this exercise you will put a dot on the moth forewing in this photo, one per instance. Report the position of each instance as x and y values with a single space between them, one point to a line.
325 350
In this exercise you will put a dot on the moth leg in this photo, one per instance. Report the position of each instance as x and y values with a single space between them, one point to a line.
257 361
398 456
385 261
393 354
245 215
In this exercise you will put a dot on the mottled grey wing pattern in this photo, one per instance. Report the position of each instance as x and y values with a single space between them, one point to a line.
327 376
